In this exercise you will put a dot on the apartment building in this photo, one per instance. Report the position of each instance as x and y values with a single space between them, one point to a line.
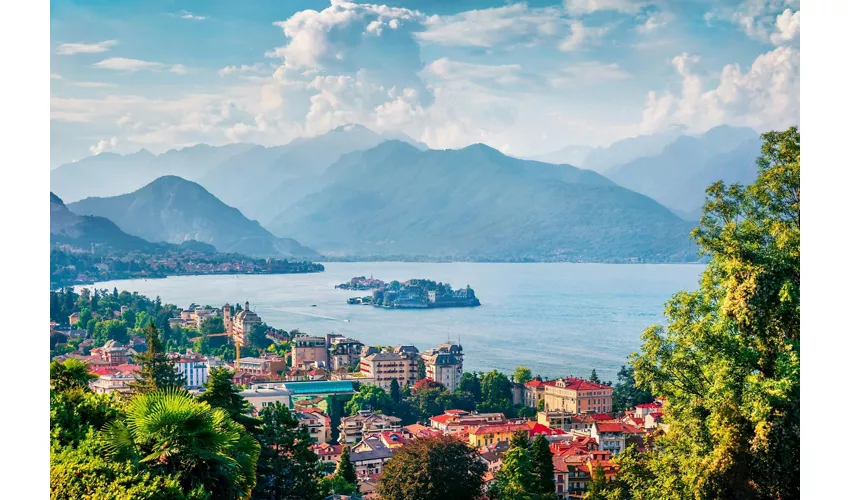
383 367
575 395
444 364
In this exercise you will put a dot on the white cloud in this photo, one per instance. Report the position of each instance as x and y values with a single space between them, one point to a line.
775 21
67 49
511 24
133 65
587 73
55 76
91 85
192 17
103 146
244 68
579 35
580 7
765 97
467 75
787 27
654 22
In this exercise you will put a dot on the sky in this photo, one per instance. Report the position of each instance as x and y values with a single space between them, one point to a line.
526 78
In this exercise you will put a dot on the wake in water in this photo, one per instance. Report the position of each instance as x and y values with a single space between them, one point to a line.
329 318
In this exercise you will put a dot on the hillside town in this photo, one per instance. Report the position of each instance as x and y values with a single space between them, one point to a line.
574 415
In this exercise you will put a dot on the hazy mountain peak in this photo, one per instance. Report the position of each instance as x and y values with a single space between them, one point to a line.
175 210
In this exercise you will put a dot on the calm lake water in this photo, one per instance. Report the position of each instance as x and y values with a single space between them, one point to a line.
557 319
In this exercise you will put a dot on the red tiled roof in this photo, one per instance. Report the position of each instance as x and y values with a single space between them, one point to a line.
649 405
497 428
614 426
578 384
443 419
535 428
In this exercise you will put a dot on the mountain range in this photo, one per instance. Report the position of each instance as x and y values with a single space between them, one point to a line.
84 232
477 203
679 174
110 174
174 210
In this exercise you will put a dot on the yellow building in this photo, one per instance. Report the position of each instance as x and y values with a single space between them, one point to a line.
489 434
574 395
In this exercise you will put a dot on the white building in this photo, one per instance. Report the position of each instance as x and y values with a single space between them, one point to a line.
194 368
260 396
444 364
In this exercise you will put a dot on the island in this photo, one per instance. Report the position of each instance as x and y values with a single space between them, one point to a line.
413 294
361 283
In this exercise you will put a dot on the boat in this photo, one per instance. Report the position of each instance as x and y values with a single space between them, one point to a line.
314 305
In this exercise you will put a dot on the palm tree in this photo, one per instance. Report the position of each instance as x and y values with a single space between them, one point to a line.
72 374
171 432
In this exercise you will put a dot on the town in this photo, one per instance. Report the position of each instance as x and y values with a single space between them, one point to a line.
351 397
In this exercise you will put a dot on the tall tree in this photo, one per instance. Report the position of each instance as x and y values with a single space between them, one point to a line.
438 467
516 479
420 369
395 394
188 439
222 393
597 484
626 394
469 382
522 375
542 466
729 360
287 468
594 377
156 370
345 468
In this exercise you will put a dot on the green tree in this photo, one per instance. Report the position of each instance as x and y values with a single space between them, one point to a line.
594 377
541 405
76 411
420 369
85 317
84 472
395 394
438 467
257 336
111 329
522 375
469 382
287 468
156 370
222 393
345 468
516 479
542 467
212 325
69 374
335 485
729 360
369 397
596 487
626 394
182 437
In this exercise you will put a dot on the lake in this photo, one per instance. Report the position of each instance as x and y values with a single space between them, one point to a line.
558 319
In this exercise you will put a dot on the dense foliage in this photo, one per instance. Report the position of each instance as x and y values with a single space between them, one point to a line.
438 467
729 359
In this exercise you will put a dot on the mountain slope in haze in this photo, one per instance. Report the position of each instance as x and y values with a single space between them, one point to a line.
678 176
110 174
570 155
271 179
476 203
626 150
82 232
174 210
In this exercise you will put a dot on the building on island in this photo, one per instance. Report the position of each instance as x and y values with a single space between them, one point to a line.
575 395
444 364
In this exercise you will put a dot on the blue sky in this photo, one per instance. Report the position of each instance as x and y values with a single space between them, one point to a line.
524 77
